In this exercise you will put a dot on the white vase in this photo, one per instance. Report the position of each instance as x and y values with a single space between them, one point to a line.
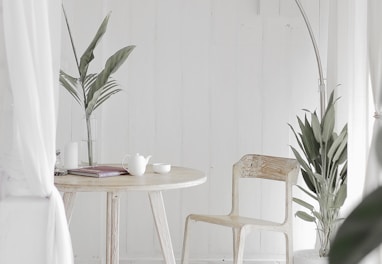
308 256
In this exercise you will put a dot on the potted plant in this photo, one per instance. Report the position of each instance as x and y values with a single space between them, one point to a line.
323 160
324 169
90 90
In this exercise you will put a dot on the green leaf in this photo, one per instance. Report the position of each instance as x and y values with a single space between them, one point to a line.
108 90
316 126
335 147
89 79
344 172
319 177
341 196
311 145
297 138
70 84
308 181
317 215
304 216
88 55
305 191
331 99
303 203
117 59
328 124
111 66
104 98
338 149
309 142
344 156
300 160
360 233
342 150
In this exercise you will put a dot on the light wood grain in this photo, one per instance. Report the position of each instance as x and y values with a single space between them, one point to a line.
69 198
160 218
112 228
178 178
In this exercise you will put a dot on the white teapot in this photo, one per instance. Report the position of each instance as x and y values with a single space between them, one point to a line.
136 164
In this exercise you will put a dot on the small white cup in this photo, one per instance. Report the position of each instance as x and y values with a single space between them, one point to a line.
161 168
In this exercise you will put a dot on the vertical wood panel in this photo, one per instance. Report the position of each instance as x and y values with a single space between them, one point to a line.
223 116
195 39
208 82
250 109
169 106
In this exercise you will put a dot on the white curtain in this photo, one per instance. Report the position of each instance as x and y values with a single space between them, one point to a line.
374 168
374 165
29 70
354 33
347 71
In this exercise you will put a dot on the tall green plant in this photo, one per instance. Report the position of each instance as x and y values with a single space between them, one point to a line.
91 90
324 169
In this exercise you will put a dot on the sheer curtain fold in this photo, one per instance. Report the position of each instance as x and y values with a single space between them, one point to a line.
373 177
29 60
354 56
374 168
30 34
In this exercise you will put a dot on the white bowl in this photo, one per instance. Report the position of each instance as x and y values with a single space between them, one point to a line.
161 168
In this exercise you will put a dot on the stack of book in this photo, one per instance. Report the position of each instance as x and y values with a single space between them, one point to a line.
98 171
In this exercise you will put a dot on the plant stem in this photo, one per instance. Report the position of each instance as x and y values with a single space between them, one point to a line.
90 141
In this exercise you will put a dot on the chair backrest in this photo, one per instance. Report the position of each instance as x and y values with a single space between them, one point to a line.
265 167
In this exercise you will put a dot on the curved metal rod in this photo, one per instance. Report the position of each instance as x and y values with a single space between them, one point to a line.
318 59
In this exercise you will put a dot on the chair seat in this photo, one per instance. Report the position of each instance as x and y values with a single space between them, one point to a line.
235 221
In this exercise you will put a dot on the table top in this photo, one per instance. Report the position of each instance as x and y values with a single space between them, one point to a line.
178 177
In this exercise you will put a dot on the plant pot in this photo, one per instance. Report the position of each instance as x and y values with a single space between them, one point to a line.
309 256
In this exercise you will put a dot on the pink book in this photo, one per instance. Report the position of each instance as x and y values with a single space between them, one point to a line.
98 171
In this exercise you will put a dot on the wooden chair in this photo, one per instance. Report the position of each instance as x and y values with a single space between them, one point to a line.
253 166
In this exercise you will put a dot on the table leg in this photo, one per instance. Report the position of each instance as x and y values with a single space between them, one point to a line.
68 199
112 228
160 218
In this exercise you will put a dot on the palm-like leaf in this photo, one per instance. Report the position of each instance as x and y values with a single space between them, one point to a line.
70 84
88 55
108 90
96 88
111 66
308 181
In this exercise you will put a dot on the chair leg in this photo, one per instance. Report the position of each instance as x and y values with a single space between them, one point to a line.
289 249
238 245
185 249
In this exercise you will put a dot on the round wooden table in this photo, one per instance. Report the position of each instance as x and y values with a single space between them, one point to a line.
151 182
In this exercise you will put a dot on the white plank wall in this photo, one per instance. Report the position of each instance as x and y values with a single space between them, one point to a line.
209 81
